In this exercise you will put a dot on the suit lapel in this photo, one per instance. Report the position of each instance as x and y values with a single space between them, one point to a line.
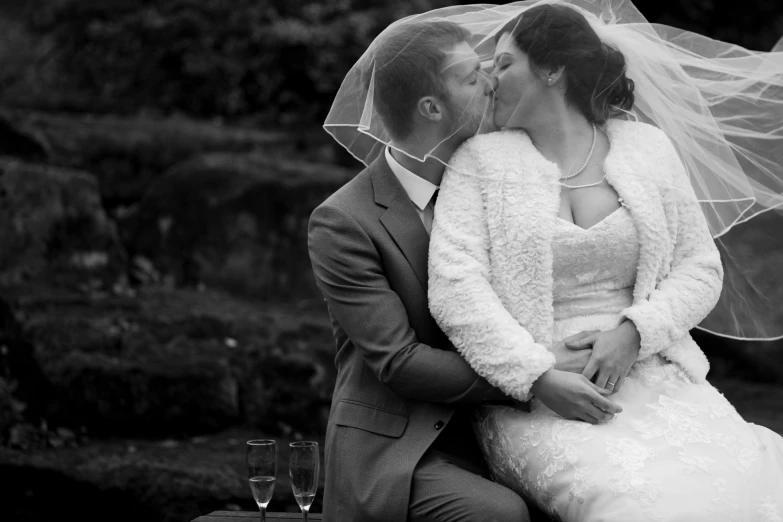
401 219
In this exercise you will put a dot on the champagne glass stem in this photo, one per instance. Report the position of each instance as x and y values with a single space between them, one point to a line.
305 512
262 508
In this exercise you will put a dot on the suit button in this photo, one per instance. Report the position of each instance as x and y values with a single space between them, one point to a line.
438 425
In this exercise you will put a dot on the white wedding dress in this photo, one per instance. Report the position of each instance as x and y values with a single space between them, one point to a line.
677 452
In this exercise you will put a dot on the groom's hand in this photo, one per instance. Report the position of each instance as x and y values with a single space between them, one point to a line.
573 360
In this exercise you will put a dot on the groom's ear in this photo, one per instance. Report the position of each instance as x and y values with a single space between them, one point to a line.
430 108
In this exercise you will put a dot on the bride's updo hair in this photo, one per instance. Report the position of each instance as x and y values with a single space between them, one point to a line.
553 35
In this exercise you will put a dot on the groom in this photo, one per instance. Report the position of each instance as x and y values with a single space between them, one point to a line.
399 444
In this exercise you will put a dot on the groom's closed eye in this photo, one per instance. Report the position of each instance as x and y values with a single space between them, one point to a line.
472 78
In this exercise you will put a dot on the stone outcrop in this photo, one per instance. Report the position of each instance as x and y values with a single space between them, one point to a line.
127 154
53 226
165 480
238 222
176 362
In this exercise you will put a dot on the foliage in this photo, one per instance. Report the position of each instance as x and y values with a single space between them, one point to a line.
279 60
267 62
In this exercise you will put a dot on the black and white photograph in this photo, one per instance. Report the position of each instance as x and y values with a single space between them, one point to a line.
391 261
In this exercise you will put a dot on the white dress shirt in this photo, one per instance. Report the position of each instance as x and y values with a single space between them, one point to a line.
419 190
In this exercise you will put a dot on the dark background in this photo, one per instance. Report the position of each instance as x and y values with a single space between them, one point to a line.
158 164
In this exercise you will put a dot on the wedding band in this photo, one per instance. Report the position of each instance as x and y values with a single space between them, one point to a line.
610 383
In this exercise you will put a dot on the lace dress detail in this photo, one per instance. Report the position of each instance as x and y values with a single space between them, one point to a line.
678 451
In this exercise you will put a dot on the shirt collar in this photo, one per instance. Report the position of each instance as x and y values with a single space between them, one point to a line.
419 190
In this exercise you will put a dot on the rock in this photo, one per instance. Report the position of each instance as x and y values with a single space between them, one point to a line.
92 481
127 154
53 227
170 395
27 437
65 433
286 391
25 392
8 413
19 144
177 362
154 483
237 222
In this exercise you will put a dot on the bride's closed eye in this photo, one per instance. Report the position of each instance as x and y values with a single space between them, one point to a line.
502 66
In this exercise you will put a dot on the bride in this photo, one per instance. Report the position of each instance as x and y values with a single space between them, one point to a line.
572 219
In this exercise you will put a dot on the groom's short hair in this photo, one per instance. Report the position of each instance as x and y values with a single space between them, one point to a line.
408 65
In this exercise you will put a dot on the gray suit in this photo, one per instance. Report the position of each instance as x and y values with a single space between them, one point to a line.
401 388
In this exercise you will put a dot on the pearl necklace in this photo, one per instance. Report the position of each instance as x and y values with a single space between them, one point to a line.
584 165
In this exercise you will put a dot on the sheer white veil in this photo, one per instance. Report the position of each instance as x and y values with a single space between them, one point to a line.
722 107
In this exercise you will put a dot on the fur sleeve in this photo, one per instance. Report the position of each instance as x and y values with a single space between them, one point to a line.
692 287
462 299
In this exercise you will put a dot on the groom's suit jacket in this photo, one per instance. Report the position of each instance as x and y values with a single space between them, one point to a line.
399 380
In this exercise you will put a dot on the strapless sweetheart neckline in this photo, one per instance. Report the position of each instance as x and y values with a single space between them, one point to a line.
607 218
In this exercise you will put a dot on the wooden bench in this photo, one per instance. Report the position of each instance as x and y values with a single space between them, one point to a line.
253 516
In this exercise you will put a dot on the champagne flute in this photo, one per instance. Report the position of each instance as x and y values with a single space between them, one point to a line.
261 460
303 466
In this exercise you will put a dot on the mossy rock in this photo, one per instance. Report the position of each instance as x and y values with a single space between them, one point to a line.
237 222
167 361
53 227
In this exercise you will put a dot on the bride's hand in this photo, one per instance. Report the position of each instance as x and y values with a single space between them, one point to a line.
572 396
614 352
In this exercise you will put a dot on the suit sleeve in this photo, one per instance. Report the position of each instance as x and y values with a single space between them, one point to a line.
461 296
693 285
350 274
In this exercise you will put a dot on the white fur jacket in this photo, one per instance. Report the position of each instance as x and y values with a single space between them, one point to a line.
490 260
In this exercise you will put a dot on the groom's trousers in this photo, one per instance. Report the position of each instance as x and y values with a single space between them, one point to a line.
447 488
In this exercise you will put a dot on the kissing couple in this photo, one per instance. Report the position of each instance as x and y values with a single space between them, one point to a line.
512 280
